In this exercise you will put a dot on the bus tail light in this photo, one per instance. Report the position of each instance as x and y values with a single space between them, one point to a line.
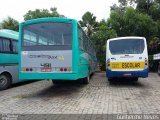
146 62
108 63
69 69
23 69
65 69
56 69
61 69
27 69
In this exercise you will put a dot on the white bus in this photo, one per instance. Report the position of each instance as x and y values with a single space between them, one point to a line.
126 57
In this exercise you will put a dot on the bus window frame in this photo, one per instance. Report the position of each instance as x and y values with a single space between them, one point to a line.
22 37
127 40
10 46
89 46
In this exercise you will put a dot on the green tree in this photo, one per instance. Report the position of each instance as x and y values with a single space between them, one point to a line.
154 11
144 5
132 23
154 45
10 23
40 13
116 22
99 38
158 25
127 3
144 20
89 23
150 7
123 4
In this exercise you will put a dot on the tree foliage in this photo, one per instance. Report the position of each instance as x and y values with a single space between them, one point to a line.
132 23
145 5
142 20
99 38
89 23
98 32
40 13
154 45
10 23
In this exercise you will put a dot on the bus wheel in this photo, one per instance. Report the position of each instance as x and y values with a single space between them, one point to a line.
159 71
135 79
56 82
5 82
110 79
86 79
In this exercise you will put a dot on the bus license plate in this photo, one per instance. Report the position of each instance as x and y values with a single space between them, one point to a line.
127 74
127 65
46 69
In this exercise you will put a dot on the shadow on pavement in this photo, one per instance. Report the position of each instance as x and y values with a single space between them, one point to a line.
23 83
124 82
66 88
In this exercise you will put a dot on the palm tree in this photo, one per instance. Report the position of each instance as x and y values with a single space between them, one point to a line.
10 23
89 23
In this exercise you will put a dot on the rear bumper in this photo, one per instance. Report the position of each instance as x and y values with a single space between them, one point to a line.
48 76
112 74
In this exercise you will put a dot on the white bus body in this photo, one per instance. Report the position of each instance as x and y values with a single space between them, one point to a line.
126 57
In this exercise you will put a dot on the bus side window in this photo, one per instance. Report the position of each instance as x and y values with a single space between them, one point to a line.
1 46
84 42
80 37
6 45
15 46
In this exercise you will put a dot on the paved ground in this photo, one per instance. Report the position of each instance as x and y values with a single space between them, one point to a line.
100 96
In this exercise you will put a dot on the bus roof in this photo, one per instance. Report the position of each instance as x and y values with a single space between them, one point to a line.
128 37
9 34
58 19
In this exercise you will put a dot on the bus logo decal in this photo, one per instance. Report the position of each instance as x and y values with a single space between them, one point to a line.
60 57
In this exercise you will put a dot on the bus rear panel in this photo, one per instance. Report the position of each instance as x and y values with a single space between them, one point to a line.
46 49
127 57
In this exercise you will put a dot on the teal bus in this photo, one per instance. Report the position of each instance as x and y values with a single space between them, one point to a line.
55 49
8 58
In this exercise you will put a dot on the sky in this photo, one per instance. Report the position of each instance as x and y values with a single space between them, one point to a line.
69 8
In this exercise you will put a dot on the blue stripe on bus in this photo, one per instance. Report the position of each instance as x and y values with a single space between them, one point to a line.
112 74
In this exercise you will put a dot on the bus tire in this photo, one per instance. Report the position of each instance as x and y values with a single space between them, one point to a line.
109 79
86 80
159 71
56 82
135 79
5 81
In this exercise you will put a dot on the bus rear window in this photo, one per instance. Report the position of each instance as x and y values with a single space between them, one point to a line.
126 46
47 33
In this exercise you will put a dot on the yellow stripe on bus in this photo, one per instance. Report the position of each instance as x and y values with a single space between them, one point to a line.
127 65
